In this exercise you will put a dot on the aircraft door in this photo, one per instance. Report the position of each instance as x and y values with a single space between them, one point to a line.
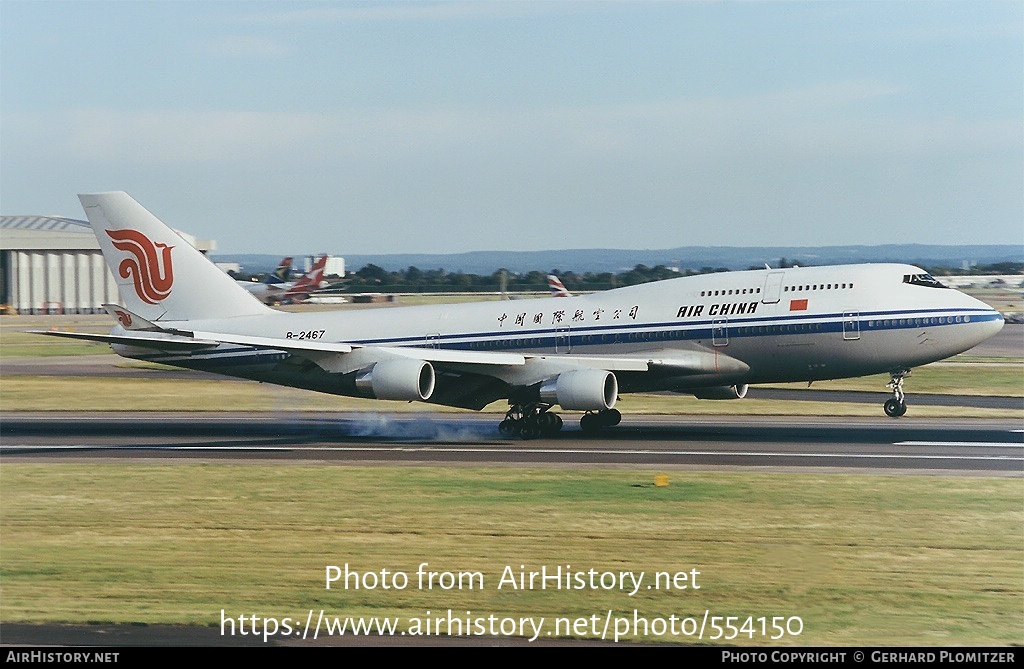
720 332
563 343
851 325
772 288
432 340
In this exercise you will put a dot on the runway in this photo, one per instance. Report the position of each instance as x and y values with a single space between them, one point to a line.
991 447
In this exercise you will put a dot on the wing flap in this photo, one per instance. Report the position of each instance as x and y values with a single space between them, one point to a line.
610 363
452 356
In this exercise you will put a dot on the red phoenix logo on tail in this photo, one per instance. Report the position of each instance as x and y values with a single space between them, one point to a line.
150 268
124 318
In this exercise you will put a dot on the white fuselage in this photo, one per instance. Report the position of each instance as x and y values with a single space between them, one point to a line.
762 325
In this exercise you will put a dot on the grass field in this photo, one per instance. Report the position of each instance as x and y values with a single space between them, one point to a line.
860 560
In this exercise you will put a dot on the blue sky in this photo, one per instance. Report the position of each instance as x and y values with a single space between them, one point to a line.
351 127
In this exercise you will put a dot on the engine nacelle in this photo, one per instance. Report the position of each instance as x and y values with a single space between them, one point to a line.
736 392
582 390
408 380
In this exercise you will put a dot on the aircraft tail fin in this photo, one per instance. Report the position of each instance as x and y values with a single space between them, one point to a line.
309 282
282 272
159 275
556 287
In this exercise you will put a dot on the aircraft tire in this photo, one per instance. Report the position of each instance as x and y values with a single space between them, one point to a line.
530 429
894 408
590 422
550 423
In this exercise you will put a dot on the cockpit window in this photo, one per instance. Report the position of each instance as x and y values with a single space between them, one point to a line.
923 280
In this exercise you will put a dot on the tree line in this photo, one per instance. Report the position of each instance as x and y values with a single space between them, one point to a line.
373 278
412 280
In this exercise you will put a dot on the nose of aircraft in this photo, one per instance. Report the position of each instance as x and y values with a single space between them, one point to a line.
992 323
987 323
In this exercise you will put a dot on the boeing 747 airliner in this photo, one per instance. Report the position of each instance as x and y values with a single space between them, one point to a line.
709 336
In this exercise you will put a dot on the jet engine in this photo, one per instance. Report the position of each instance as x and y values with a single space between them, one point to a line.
408 380
582 390
736 392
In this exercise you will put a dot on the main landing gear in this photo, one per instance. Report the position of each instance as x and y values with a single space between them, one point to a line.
531 421
897 406
594 421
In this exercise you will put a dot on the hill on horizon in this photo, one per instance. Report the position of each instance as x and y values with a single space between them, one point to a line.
686 257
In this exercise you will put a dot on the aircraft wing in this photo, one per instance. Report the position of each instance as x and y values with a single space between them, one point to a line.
340 356
314 350
470 379
316 347
335 357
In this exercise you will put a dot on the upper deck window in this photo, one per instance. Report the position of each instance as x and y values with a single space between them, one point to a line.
923 280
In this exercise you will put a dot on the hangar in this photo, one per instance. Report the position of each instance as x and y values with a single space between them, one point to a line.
53 265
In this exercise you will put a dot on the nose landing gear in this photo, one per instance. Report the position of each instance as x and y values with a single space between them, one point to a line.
897 406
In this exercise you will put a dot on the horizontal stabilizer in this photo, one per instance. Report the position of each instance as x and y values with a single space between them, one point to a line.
130 320
162 342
